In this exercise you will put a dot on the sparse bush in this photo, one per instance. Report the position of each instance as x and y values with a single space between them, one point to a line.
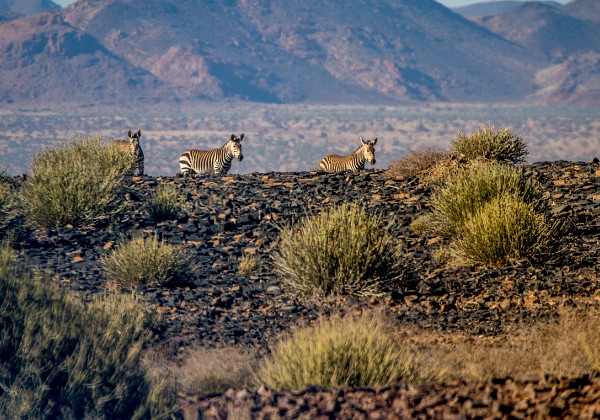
491 144
506 230
416 163
343 250
248 265
63 358
12 219
163 205
350 351
466 191
75 184
145 261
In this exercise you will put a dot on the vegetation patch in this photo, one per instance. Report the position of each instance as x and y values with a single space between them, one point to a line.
163 204
146 261
491 144
62 358
75 184
12 218
468 189
343 250
349 351
249 264
416 163
507 230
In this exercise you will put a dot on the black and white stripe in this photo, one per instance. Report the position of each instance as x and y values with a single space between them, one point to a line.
133 147
216 161
352 162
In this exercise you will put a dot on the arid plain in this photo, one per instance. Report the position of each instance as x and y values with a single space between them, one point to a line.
290 138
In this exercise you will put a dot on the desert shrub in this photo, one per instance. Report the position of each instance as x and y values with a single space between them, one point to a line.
145 261
163 205
248 265
491 144
507 230
12 218
61 358
75 184
349 351
416 163
467 190
343 250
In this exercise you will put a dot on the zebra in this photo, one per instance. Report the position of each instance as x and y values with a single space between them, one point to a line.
133 147
216 161
351 162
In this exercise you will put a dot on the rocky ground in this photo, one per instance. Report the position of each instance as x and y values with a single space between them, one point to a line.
229 216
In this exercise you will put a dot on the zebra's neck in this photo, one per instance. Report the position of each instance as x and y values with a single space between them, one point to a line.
360 157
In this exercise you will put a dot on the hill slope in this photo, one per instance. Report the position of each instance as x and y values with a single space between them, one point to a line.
28 7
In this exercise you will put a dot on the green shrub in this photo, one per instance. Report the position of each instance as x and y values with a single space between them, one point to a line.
344 250
61 358
467 190
350 351
507 230
145 261
75 184
12 218
163 205
491 144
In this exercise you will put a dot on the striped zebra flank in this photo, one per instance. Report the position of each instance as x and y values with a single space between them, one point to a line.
133 147
216 161
352 162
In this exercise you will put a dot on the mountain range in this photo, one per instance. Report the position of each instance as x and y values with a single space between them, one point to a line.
132 53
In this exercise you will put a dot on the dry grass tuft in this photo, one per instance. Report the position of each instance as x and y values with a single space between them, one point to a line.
349 351
416 163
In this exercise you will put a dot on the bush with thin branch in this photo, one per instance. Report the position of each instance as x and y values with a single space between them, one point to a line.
490 144
146 261
62 358
349 351
163 204
75 184
507 230
467 190
343 250
416 163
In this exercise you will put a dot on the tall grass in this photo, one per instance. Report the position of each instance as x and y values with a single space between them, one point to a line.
12 218
61 358
490 144
349 351
343 250
468 189
163 205
75 184
507 230
146 261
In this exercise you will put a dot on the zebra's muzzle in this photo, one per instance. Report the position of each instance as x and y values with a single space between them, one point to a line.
240 158
373 162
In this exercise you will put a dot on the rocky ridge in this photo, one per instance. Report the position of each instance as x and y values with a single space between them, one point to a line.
226 217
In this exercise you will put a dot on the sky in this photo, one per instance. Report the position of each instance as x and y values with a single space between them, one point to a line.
447 3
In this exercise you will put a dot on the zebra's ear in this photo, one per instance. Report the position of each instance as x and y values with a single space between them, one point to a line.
374 141
232 137
139 133
241 136
362 141
129 134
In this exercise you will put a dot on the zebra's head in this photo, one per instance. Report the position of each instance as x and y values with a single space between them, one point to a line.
235 146
368 149
134 137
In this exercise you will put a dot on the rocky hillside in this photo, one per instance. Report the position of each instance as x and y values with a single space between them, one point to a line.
494 7
28 7
230 216
185 51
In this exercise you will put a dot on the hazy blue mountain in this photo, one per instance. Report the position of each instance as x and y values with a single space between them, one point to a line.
494 7
28 7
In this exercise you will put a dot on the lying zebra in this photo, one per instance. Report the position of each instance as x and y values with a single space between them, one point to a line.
352 162
216 161
133 147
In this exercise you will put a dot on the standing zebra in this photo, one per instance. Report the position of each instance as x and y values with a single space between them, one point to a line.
133 147
352 162
216 161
